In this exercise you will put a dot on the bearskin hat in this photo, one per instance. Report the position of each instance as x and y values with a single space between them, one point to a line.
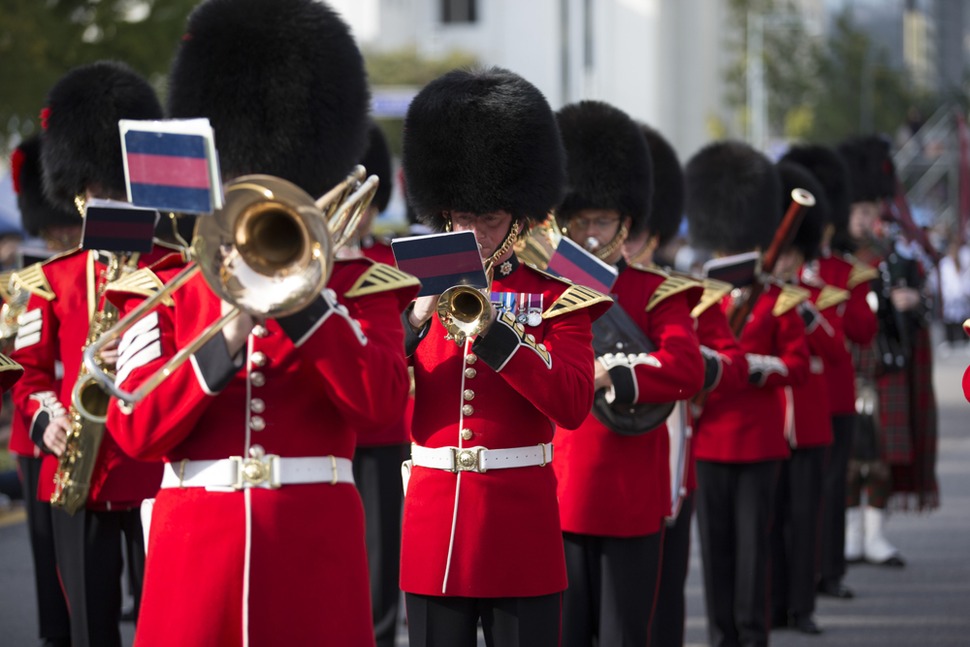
377 161
808 236
283 85
732 200
482 141
828 167
82 144
36 211
667 209
872 175
608 163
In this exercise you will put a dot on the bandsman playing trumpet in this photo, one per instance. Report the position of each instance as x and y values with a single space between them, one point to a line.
257 535
614 488
81 159
481 535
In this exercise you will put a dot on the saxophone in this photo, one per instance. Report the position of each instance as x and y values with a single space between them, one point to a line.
88 411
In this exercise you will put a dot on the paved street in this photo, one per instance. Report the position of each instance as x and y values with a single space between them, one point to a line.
927 604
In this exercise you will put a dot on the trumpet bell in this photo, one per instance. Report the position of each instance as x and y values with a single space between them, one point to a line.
463 311
268 250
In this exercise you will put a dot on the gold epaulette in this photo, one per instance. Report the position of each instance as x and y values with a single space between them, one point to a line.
861 273
380 278
143 282
5 292
576 297
671 285
32 279
831 296
790 297
714 291
7 364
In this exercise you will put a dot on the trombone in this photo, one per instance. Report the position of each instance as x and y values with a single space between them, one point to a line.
269 251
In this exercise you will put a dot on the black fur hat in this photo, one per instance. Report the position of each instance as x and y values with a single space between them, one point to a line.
608 163
283 85
482 141
667 209
808 236
36 211
733 193
872 175
377 161
828 167
82 144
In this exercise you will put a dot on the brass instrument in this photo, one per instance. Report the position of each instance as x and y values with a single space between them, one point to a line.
87 413
269 251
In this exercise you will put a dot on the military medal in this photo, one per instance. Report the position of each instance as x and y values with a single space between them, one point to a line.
504 301
521 314
534 317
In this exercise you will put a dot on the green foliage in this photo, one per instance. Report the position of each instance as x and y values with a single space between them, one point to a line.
40 40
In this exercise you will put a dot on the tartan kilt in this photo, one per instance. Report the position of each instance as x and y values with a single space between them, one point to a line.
894 439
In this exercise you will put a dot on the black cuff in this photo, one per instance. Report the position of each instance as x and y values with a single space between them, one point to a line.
41 420
299 326
412 337
712 372
497 346
215 366
624 384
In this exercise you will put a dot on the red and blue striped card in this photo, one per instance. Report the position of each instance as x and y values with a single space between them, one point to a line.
572 262
114 226
739 270
171 165
441 261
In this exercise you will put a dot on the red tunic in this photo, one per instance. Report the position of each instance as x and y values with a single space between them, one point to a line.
507 538
748 425
220 562
52 331
619 486
853 317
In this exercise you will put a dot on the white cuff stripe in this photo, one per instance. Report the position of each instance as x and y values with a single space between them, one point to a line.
142 357
137 344
140 327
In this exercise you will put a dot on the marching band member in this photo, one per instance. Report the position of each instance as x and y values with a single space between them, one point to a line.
378 457
731 206
481 535
837 268
81 159
614 490
40 217
725 369
798 498
257 431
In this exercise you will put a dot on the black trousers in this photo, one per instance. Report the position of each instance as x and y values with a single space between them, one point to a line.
52 616
612 589
435 621
377 473
671 610
734 506
89 558
795 532
832 554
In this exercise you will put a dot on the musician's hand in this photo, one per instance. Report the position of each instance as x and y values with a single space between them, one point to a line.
55 435
760 367
905 299
237 330
109 353
601 377
424 308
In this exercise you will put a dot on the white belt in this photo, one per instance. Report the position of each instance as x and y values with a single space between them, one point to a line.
269 471
480 459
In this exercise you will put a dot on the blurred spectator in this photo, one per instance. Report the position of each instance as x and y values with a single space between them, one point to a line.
954 280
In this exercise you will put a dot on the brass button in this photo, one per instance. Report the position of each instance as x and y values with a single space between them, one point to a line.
260 330
470 373
467 410
256 423
530 338
259 358
257 405
468 394
467 434
257 378
541 346
471 359
519 328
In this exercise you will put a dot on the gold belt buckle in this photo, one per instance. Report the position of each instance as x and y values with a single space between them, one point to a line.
468 460
259 470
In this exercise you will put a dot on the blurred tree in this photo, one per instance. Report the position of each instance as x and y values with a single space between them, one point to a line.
40 40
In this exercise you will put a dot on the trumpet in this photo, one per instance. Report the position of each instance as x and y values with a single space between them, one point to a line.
269 252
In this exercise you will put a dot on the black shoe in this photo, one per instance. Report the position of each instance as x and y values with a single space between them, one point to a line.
835 590
805 625
779 620
56 642
894 561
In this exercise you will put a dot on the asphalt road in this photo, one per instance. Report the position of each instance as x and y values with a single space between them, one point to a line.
927 604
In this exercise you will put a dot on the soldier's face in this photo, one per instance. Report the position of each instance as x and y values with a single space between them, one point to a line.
490 228
594 228
863 219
